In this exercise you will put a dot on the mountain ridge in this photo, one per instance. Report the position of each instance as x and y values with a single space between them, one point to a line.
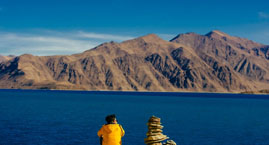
188 62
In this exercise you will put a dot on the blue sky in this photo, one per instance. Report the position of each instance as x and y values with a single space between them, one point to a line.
51 27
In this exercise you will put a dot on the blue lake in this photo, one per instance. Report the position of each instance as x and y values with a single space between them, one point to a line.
29 117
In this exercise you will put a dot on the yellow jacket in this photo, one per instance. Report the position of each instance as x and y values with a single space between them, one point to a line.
111 134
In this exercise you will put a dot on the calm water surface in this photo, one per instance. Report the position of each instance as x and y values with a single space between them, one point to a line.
74 117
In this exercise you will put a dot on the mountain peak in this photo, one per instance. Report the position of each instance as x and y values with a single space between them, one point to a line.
6 58
182 35
150 37
216 33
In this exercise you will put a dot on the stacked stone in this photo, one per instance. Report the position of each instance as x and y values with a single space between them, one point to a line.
154 134
170 142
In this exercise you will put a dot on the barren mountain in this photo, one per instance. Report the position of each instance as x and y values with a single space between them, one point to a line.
243 56
215 62
6 58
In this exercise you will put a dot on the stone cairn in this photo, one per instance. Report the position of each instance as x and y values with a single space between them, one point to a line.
154 134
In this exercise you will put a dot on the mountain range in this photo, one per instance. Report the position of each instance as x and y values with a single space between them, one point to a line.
6 58
214 62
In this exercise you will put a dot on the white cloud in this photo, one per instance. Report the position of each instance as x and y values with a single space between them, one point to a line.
103 36
263 15
52 42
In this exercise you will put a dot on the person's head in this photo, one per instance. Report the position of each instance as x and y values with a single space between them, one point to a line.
111 119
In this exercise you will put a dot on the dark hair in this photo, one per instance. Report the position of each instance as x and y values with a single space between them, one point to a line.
110 118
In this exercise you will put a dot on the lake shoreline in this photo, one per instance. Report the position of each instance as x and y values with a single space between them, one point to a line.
143 93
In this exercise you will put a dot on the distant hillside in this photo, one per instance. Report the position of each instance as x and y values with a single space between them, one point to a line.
6 58
215 62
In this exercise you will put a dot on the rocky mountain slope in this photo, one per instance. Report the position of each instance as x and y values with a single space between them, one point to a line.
215 62
6 58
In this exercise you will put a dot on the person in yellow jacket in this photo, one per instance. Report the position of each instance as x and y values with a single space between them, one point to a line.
112 132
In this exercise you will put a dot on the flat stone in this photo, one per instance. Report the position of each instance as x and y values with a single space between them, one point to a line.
155 127
154 119
155 130
155 138
153 124
153 134
156 141
170 142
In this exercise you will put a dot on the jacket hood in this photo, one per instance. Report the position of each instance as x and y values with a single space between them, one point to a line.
110 128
